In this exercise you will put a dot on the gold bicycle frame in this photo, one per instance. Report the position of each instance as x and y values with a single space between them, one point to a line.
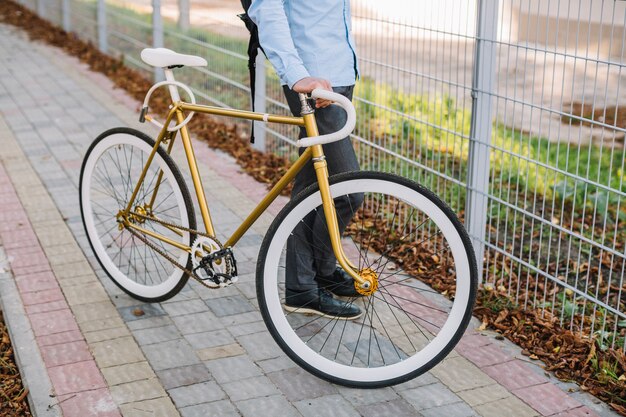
314 152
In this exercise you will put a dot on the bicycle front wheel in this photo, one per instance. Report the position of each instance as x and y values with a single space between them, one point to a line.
111 169
426 276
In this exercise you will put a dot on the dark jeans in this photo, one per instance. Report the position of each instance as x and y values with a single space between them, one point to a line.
309 252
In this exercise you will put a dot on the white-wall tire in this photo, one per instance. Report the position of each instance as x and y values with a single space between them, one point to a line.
281 326
103 190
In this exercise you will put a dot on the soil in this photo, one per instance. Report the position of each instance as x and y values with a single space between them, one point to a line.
13 401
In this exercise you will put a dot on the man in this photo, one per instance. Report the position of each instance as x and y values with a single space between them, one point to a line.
310 46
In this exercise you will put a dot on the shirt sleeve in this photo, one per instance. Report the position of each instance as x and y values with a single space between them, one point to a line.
275 38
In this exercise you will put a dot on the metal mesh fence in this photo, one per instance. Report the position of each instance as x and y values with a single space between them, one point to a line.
509 110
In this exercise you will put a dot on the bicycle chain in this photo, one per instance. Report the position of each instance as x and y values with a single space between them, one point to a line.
165 255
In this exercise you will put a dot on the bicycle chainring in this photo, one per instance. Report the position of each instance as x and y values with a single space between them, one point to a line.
212 263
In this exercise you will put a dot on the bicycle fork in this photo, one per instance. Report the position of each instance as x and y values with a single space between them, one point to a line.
366 279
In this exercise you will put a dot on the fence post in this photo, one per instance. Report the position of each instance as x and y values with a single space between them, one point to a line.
481 126
41 8
157 35
102 26
260 102
67 25
183 14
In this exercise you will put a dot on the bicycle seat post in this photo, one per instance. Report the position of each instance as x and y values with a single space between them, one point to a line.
169 76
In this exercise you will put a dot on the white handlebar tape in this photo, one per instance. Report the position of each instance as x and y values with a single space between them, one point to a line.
342 102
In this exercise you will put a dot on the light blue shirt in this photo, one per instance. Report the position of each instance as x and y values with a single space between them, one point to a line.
303 38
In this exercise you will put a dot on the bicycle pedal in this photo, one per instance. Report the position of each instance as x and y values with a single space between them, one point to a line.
218 280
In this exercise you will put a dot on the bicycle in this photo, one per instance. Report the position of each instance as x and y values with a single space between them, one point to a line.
141 224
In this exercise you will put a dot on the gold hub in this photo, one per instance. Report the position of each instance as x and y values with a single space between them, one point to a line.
371 282
142 211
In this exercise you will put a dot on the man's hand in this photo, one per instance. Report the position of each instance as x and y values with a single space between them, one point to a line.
308 84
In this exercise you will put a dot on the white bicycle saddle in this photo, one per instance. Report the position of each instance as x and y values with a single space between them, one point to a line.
163 58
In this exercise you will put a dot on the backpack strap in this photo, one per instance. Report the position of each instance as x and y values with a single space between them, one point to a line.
253 51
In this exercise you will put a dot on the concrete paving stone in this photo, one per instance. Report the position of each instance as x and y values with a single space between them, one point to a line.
53 236
160 407
223 408
73 270
360 397
62 354
131 313
197 322
186 375
208 294
459 409
59 321
181 308
459 374
103 324
248 289
130 372
156 335
249 388
217 352
250 239
145 389
276 364
232 369
94 311
83 279
395 408
482 395
420 381
577 412
546 398
116 352
247 328
243 318
158 321
76 377
260 346
210 339
327 405
297 384
430 396
246 268
61 249
43 297
171 354
185 294
60 338
275 406
203 392
509 406
119 298
85 294
514 374
596 405
94 403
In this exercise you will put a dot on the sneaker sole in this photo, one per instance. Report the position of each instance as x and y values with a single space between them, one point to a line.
311 312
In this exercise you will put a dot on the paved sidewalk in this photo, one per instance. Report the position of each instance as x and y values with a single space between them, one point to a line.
203 353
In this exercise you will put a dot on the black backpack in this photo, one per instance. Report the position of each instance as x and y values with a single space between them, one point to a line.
253 51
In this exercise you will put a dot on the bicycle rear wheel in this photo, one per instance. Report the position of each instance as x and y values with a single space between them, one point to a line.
418 249
110 171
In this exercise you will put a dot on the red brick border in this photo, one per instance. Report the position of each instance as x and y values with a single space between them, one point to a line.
78 383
